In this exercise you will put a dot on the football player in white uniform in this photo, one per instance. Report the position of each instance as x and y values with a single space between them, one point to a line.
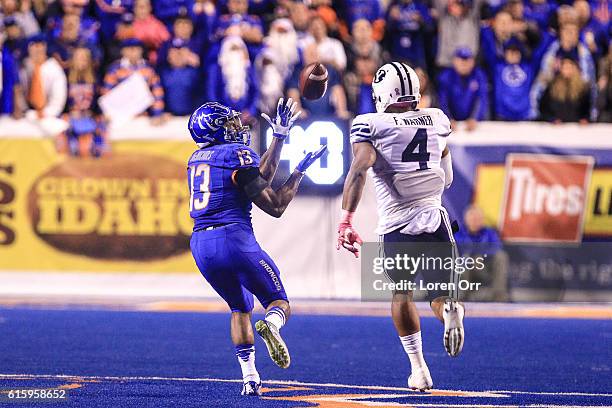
404 149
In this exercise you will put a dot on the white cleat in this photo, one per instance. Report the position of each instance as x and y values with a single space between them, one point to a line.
453 327
420 379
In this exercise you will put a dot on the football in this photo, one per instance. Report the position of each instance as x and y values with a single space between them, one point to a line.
313 81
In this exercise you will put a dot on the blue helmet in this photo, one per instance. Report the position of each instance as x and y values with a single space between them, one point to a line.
216 123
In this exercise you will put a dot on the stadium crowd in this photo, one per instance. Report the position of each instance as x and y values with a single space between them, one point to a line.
505 60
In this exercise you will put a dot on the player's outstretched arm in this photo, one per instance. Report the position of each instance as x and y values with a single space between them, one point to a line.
364 158
275 202
281 125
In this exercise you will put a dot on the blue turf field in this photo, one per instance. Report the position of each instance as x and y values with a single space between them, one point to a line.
152 359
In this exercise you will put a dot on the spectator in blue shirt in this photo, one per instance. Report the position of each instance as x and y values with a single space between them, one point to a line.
237 22
475 239
512 79
179 74
493 38
408 22
168 10
204 16
182 29
15 41
87 27
592 32
525 30
109 14
463 91
11 90
232 81
68 38
540 11
352 10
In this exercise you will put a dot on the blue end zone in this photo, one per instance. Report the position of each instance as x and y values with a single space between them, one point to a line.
184 359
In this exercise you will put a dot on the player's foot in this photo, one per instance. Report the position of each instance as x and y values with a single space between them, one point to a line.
274 342
251 388
420 379
453 327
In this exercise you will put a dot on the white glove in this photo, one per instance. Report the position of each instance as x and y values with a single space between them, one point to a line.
285 116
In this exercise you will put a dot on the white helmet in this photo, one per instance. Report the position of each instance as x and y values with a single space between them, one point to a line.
393 83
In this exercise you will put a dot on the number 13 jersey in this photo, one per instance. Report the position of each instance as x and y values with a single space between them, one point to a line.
407 175
215 197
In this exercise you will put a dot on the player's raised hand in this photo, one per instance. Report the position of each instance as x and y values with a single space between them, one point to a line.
286 115
348 238
310 158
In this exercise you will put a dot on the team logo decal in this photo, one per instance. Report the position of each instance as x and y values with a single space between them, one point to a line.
380 75
212 120
514 76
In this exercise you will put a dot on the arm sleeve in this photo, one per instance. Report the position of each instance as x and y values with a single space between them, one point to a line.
447 165
250 181
56 101
361 130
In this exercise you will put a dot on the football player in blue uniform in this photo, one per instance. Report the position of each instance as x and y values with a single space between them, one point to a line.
225 177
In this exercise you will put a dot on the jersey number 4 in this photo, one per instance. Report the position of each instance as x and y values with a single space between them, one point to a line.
416 151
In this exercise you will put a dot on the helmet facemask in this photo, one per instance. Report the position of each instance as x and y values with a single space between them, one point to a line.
235 131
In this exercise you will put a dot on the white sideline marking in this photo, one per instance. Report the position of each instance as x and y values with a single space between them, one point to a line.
285 382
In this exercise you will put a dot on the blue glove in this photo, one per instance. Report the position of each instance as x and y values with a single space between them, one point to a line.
310 158
285 116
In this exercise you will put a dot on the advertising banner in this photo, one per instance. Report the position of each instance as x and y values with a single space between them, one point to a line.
123 212
535 193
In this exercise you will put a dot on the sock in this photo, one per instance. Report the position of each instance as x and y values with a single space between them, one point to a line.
246 358
276 316
413 346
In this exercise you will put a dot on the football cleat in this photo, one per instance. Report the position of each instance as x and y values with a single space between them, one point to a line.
420 379
453 327
251 388
274 342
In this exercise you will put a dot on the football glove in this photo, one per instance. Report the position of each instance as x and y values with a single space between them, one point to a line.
285 116
347 236
310 158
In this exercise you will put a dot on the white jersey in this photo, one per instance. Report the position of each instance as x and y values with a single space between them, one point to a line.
407 175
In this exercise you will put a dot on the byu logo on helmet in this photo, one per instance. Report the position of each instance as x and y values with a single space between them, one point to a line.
380 74
395 83
216 123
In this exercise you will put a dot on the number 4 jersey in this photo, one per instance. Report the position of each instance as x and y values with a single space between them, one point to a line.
217 197
407 175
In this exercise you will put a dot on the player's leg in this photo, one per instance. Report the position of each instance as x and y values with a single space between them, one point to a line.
406 317
244 342
408 326
277 314
211 257
263 280
446 306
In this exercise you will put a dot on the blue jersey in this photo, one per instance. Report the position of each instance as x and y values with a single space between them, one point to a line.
215 198
511 86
